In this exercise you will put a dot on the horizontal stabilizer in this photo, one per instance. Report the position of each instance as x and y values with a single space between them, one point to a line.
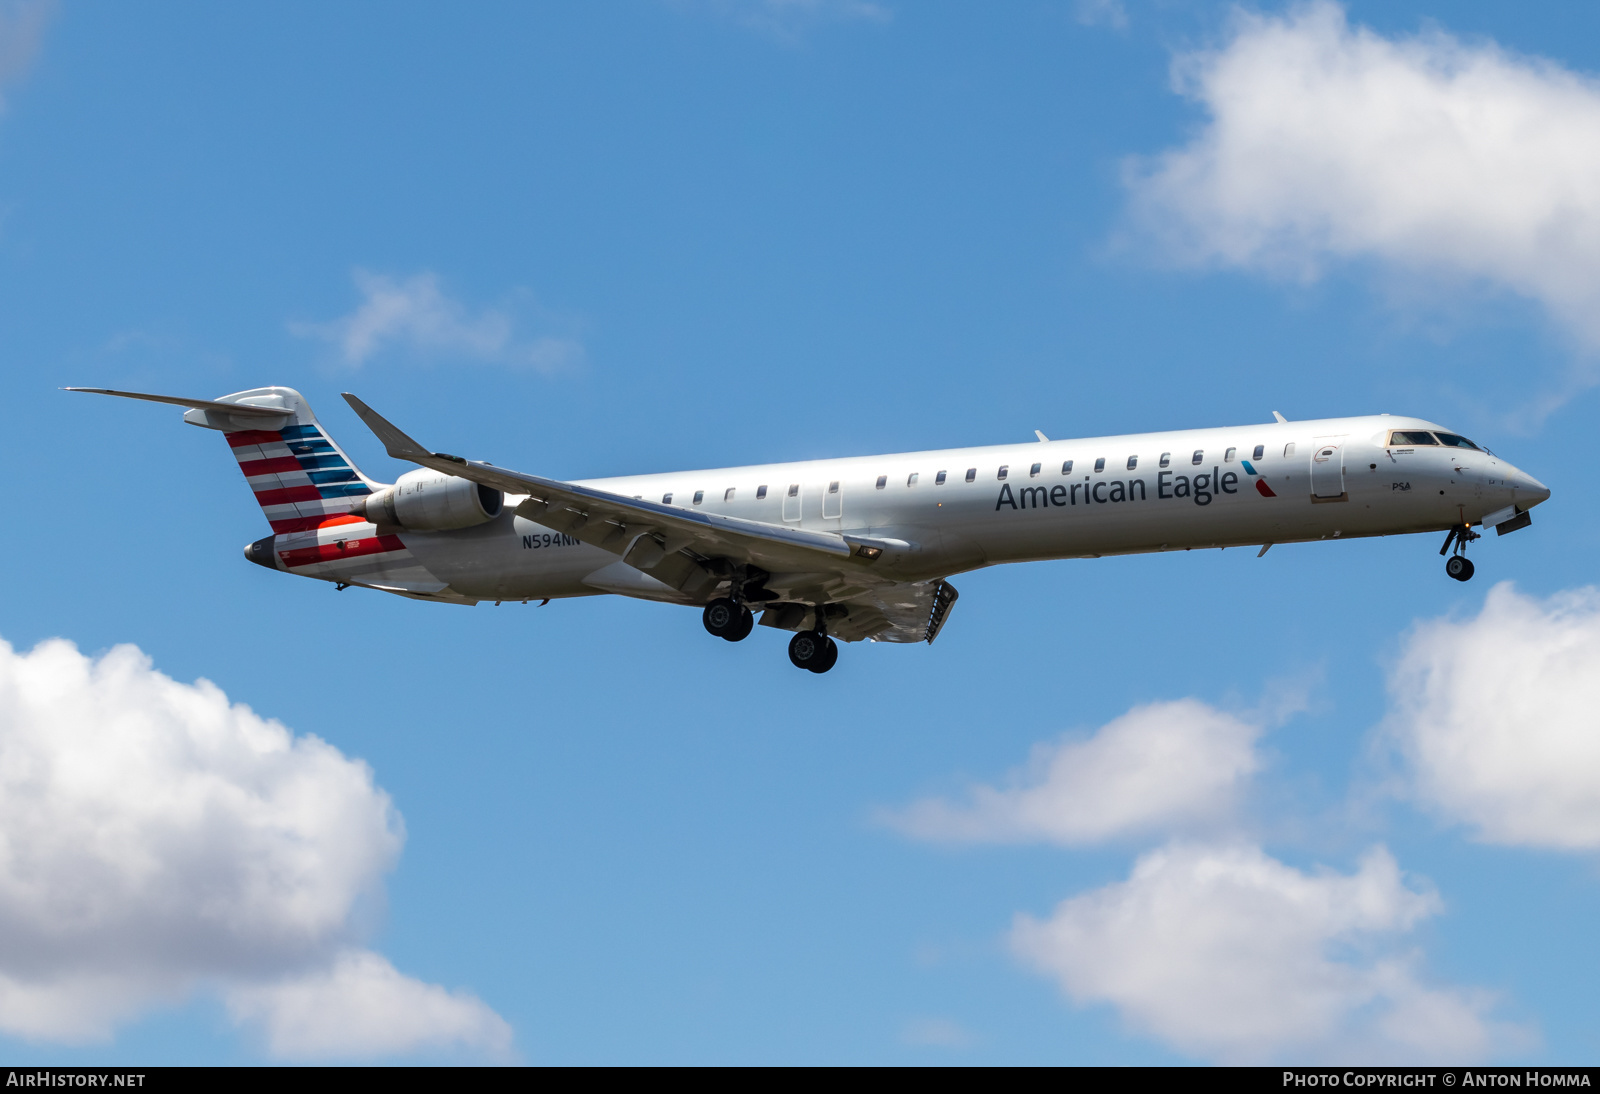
238 410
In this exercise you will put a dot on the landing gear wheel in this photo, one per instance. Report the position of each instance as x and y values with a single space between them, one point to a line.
829 659
1459 567
812 651
728 620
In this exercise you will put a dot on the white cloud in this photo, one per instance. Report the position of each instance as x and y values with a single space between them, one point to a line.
361 1006
1446 162
22 24
1157 766
155 837
1496 717
1229 954
415 316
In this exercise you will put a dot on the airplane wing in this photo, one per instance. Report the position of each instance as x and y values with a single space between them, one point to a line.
691 550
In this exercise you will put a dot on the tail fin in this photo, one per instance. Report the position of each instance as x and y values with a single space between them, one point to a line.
301 478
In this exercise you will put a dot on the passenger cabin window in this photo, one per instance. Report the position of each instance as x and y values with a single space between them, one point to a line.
1288 450
911 479
972 474
883 480
1133 461
1230 455
1410 438
794 490
1456 440
1066 468
938 480
699 496
727 495
1003 469
833 487
1100 464
1034 470
666 499
761 493
1166 459
1199 456
1259 452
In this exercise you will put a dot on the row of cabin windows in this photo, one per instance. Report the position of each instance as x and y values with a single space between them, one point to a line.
1197 458
941 477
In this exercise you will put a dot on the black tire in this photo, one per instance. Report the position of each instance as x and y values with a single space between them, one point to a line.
828 659
1459 567
807 649
721 617
741 629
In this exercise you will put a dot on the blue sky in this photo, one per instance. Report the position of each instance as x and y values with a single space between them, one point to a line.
584 240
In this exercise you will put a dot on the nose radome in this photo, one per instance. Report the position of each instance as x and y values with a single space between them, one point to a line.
1530 491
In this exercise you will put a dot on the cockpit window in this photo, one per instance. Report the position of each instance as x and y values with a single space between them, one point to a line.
1406 438
1455 440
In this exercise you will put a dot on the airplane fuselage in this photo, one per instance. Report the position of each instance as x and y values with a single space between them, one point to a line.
960 509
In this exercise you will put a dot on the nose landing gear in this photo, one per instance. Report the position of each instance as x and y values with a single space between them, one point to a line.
1458 565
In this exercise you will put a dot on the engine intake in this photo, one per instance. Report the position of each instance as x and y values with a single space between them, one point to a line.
431 501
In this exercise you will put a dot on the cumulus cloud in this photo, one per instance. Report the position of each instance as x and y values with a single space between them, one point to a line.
1229 954
414 315
360 1005
1496 718
155 837
1424 155
1157 766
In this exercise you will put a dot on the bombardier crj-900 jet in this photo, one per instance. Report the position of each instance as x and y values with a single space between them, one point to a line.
845 549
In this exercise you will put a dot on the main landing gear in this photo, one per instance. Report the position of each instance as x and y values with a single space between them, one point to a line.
1458 565
813 650
728 620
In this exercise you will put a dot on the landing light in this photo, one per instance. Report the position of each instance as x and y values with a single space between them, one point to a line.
868 552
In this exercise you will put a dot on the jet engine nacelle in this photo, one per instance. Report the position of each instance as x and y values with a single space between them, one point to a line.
431 501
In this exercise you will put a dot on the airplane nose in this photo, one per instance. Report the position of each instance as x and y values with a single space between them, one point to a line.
1530 491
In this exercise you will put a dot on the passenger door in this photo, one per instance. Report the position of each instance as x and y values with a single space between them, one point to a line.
791 502
1327 473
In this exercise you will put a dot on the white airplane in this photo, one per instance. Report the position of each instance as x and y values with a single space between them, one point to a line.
846 549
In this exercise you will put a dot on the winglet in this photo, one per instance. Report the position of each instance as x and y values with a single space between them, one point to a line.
396 443
1040 435
1280 417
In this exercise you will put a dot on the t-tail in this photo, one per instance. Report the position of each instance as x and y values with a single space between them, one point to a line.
301 478
316 499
